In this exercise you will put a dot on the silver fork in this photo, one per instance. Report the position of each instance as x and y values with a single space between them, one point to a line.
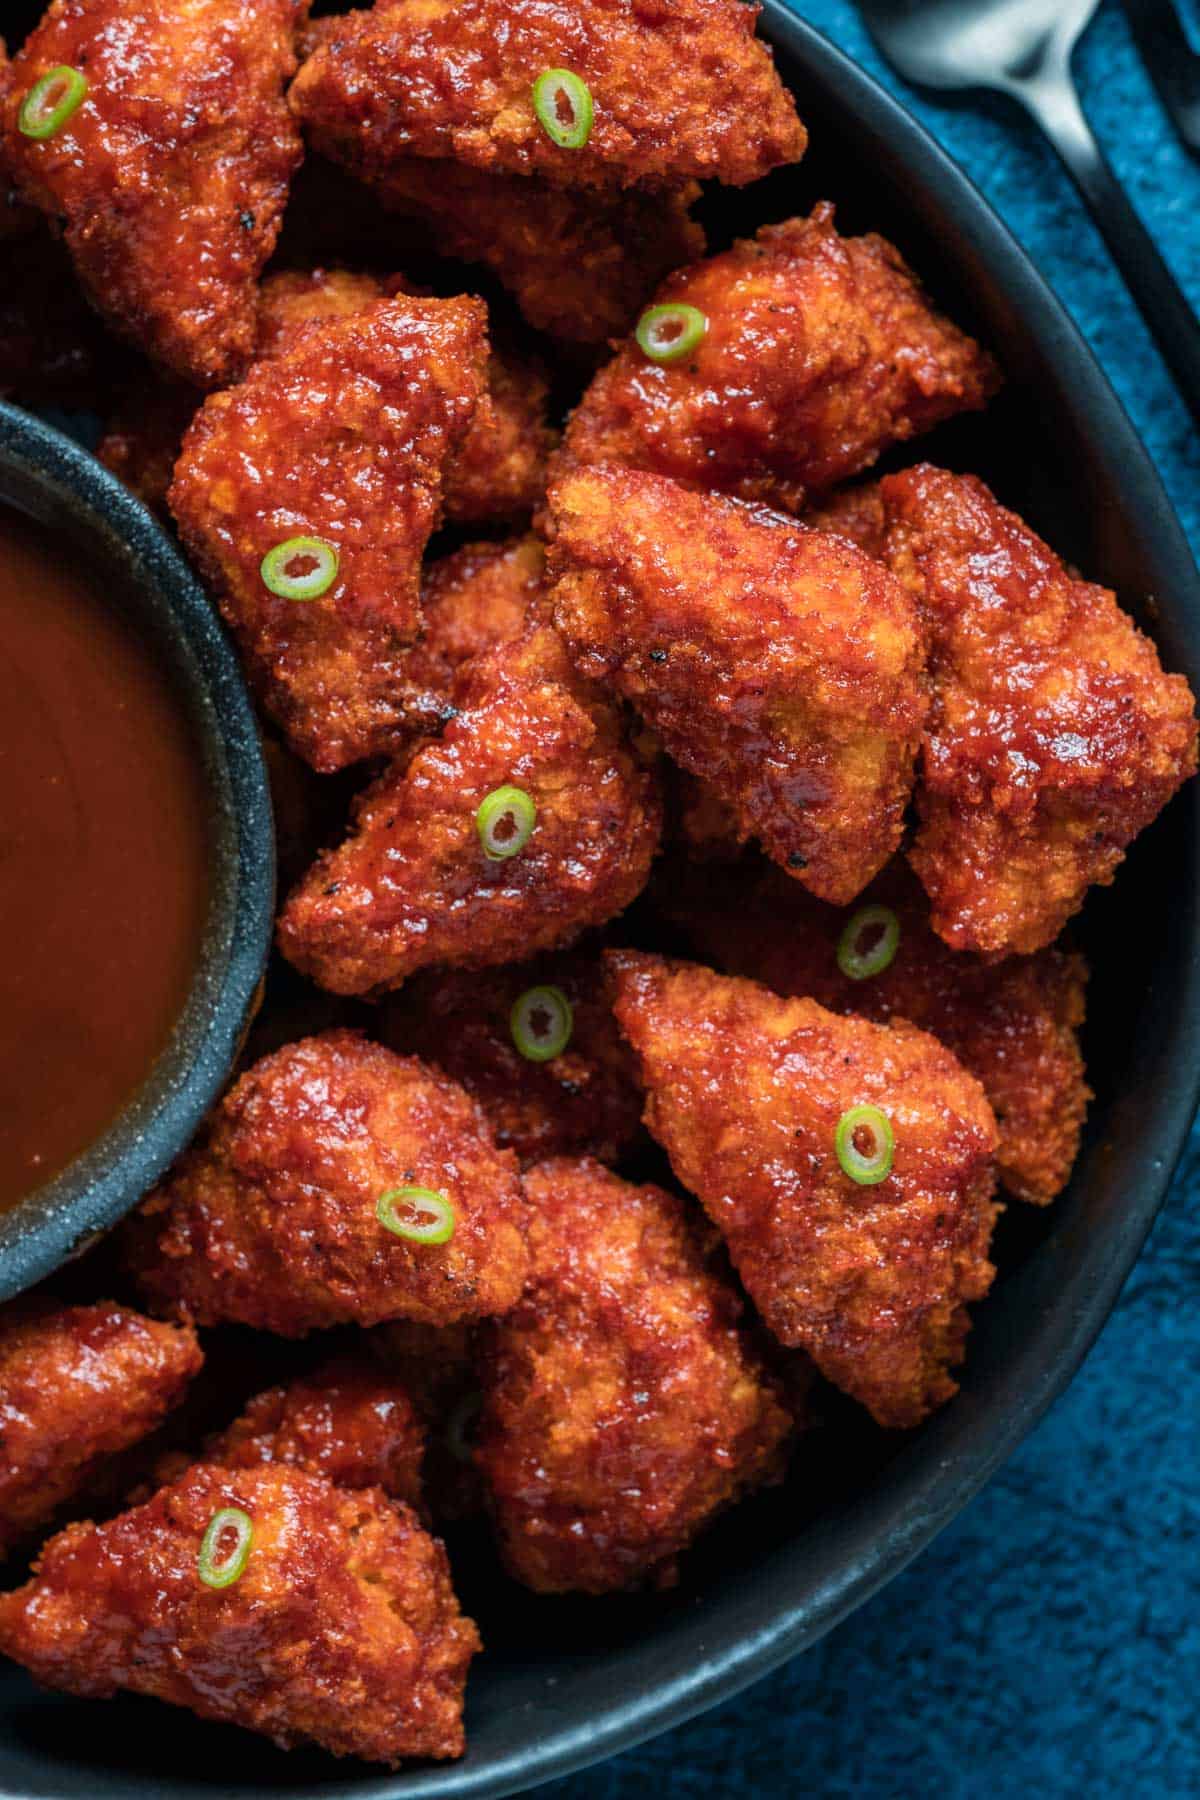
1023 48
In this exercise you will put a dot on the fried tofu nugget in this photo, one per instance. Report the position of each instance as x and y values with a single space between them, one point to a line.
342 1629
679 90
745 1093
474 600
779 664
623 1408
170 176
579 264
349 1421
585 1097
498 470
342 437
413 885
819 351
1055 737
274 1217
1014 1025
78 1384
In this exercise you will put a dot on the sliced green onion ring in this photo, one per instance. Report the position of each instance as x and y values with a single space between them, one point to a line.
666 334
222 1571
315 574
563 104
869 942
505 822
541 1023
865 1144
51 101
434 1223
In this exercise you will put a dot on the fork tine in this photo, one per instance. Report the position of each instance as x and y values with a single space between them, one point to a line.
1173 64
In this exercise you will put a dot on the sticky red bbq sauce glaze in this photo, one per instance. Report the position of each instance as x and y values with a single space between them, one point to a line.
103 858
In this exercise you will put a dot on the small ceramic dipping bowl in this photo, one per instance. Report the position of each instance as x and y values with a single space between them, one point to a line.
47 476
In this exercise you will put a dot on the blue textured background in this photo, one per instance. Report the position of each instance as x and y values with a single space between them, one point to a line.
1048 1643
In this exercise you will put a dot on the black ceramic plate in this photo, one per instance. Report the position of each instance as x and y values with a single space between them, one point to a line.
565 1682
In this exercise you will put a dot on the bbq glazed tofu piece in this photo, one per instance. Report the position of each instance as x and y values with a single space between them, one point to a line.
170 174
336 1183
1013 1024
349 1421
474 600
337 1625
812 353
529 821
498 470
849 1166
623 1408
778 664
1054 737
606 94
578 263
537 1046
336 447
78 1384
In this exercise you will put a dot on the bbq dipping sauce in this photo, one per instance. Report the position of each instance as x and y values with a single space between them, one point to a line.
104 885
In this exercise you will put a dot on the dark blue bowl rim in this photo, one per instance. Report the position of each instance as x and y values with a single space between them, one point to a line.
91 1194
858 1553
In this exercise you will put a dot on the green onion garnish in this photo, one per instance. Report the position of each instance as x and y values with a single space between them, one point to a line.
541 1022
869 942
505 822
865 1144
667 334
51 101
434 1223
301 568
222 1572
563 104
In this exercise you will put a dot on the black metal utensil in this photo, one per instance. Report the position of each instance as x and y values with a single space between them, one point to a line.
1173 64
1023 48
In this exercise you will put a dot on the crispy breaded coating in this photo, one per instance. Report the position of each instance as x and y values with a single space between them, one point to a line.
170 177
1014 1025
498 470
438 1366
474 600
270 1219
341 437
856 513
745 1091
348 1421
681 90
342 1630
1054 737
579 264
623 1407
412 886
819 352
585 1099
78 1384
779 664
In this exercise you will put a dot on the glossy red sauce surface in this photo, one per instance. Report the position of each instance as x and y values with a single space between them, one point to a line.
103 857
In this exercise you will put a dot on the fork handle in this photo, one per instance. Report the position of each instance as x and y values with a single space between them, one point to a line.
1050 96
